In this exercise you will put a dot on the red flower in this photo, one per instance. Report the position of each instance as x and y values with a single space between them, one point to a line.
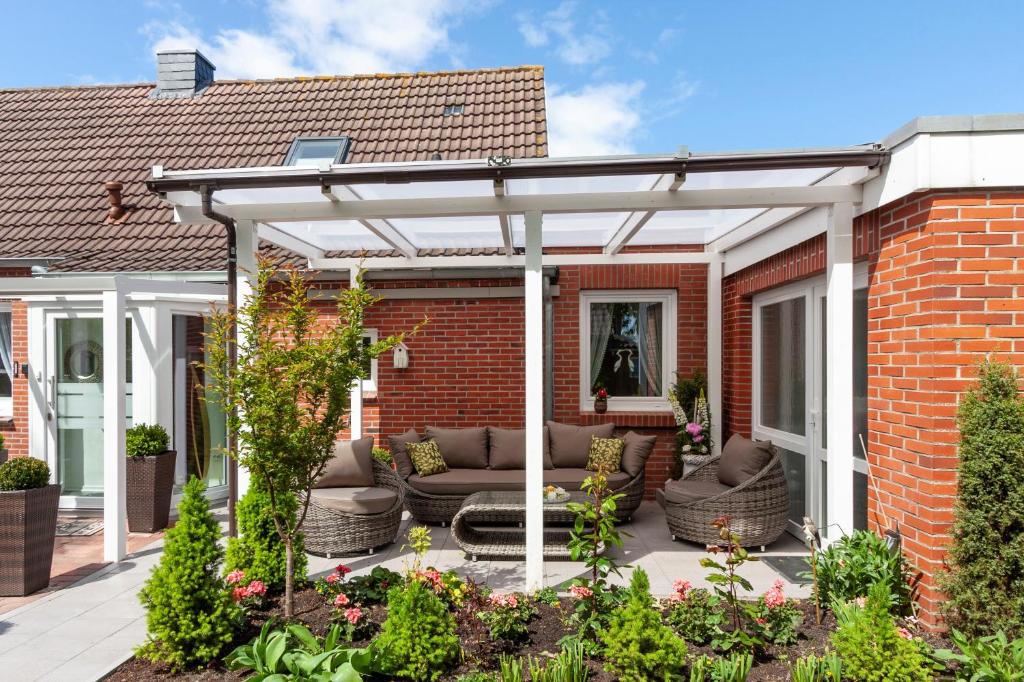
239 593
343 569
601 393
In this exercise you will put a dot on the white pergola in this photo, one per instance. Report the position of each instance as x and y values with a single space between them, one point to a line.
730 210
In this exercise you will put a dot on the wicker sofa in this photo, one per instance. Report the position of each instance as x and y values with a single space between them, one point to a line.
493 459
748 488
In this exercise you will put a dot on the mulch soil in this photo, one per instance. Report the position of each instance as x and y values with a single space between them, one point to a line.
480 651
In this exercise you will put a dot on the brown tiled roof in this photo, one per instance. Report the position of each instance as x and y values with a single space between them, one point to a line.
58 146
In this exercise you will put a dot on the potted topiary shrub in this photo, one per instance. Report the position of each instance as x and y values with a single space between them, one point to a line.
28 523
150 477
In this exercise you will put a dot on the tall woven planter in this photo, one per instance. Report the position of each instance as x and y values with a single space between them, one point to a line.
28 524
150 480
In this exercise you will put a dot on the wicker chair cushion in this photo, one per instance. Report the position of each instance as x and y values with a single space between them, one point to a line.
605 453
570 445
427 458
635 452
461 448
361 500
403 463
742 459
351 466
508 448
466 481
687 492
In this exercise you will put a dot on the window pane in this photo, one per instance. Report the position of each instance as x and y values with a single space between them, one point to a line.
860 500
626 349
860 371
782 365
795 465
6 359
312 152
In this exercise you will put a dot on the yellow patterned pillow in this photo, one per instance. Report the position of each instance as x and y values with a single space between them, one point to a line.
605 454
426 457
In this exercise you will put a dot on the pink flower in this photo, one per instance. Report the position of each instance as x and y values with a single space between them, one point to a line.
343 569
694 429
775 597
353 614
432 577
861 602
761 621
238 594
676 597
682 586
581 591
507 600
698 438
333 578
341 600
256 589
904 633
235 577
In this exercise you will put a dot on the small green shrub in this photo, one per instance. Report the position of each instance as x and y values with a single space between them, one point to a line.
258 550
985 583
144 440
987 659
190 615
508 617
638 647
850 566
418 640
547 596
873 648
382 456
811 668
294 653
695 614
24 473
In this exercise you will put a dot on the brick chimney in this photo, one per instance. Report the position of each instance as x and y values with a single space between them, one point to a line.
182 74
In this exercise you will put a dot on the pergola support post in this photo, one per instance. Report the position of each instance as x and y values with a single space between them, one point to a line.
247 251
839 370
534 383
355 415
714 344
115 510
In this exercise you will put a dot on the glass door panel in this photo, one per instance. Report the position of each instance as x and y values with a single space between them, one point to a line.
200 422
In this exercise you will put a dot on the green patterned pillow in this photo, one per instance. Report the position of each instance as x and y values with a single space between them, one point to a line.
605 453
426 457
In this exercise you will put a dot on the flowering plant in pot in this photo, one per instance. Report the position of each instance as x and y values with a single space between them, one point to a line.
149 477
601 400
693 437
28 523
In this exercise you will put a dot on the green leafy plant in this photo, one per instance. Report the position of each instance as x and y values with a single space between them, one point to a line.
700 668
294 653
1 441
382 456
363 590
985 583
570 665
287 397
773 618
695 614
986 659
258 550
849 567
638 647
418 640
727 584
733 668
873 648
811 668
24 473
511 668
548 596
478 676
508 616
144 440
593 603
190 615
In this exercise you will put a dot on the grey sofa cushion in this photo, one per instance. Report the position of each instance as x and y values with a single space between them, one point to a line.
351 466
359 500
742 458
461 448
508 448
637 450
688 492
403 463
467 481
570 445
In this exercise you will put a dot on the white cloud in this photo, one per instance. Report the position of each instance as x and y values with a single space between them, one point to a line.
597 119
324 37
575 45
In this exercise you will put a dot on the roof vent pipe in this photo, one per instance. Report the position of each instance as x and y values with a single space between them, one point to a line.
117 211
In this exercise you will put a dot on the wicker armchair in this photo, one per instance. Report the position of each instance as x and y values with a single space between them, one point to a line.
331 532
441 509
758 507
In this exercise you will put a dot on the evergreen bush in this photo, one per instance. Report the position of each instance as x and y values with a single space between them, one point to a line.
985 579
144 440
24 473
638 647
258 551
418 640
190 615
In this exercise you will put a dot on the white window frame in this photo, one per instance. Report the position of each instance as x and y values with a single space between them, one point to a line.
369 385
7 403
668 299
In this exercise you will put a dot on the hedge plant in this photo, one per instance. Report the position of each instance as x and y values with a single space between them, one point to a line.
145 440
984 584
190 616
24 473
258 551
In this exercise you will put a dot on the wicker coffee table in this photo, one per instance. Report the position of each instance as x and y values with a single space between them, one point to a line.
491 525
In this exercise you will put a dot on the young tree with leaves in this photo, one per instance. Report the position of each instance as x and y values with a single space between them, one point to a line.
290 389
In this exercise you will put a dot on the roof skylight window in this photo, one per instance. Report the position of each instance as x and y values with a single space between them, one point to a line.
454 109
314 151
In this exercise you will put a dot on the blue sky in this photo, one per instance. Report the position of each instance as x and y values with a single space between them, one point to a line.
621 76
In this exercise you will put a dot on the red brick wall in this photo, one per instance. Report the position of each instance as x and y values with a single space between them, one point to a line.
16 433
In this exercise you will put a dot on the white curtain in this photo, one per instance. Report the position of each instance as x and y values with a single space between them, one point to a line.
6 357
650 347
600 332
